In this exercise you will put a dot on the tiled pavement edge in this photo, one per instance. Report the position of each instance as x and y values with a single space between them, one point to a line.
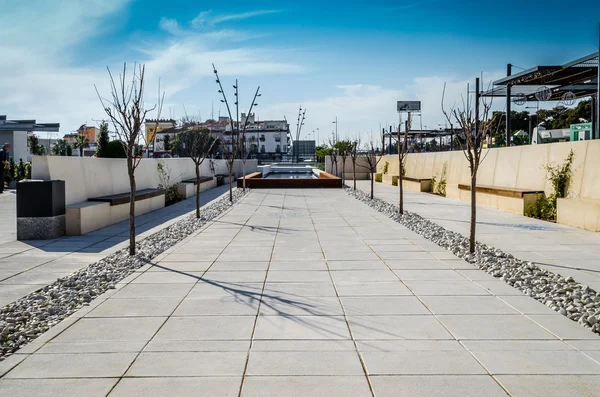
309 293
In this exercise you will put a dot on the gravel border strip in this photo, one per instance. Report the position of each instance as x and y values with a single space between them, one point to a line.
27 318
574 300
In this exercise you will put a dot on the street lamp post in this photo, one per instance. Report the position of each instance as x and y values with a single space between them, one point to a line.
336 128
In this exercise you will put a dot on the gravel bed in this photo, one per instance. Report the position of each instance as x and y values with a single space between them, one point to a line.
27 318
574 300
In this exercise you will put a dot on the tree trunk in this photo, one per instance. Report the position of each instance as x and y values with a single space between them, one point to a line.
231 184
401 195
132 188
244 174
197 191
372 184
343 174
354 173
473 212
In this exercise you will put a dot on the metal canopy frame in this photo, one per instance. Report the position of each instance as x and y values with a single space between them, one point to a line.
578 77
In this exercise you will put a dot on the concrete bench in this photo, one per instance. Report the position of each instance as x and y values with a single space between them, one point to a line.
583 213
187 188
99 212
124 198
418 184
508 199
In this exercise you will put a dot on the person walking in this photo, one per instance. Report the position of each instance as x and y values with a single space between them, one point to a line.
4 164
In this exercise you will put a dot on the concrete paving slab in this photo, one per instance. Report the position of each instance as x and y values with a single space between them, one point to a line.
339 363
111 329
305 327
467 305
206 328
306 386
539 362
397 327
383 305
57 387
415 362
427 386
551 385
138 307
184 387
229 306
493 327
155 364
90 365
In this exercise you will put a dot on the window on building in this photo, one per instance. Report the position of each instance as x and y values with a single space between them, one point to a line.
262 149
278 149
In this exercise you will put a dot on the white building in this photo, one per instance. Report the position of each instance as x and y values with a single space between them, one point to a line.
267 137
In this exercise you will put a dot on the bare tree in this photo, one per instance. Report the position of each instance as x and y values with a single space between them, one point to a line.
473 136
334 155
126 110
244 151
372 158
230 148
343 148
402 152
354 153
198 144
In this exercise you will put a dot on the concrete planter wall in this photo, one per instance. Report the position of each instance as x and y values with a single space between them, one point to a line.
94 177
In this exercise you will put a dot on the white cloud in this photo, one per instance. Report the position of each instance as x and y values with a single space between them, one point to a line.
170 26
41 81
207 19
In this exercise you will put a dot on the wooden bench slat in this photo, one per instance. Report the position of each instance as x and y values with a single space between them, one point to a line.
500 191
123 198
203 179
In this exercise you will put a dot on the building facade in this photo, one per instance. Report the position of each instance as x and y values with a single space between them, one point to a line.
154 126
267 138
15 133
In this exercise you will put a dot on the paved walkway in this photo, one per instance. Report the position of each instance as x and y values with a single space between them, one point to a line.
558 248
309 293
8 209
26 266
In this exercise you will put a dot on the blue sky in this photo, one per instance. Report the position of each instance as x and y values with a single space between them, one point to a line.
347 59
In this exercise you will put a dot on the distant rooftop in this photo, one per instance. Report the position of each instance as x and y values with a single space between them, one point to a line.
26 125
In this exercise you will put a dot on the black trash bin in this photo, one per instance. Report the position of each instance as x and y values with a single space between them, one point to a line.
41 210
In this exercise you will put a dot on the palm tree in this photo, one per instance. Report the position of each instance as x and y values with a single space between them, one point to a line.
81 142
61 148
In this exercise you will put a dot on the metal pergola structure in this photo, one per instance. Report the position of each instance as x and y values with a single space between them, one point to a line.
566 83
390 138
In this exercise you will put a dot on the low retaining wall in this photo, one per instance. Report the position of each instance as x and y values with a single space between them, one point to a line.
89 177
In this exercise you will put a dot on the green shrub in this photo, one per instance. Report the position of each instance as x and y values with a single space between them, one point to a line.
28 170
544 208
385 167
171 189
378 178
19 173
394 182
560 177
12 170
115 150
